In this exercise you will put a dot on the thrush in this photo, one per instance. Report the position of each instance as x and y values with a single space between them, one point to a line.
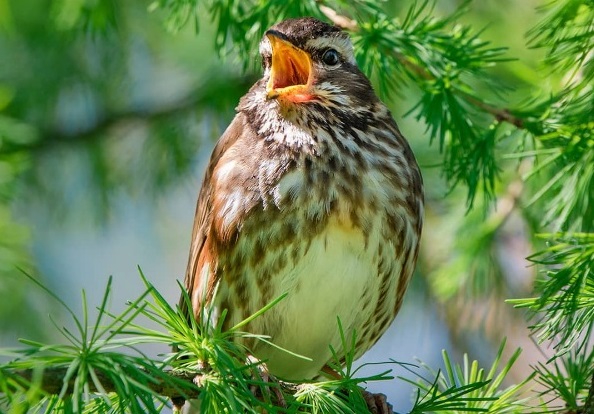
311 191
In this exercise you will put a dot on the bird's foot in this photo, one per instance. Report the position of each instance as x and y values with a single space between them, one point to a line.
178 402
266 378
377 403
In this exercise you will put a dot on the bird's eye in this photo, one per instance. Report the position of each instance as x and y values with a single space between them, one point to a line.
331 57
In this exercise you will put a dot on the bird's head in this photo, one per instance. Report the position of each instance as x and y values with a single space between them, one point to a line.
306 60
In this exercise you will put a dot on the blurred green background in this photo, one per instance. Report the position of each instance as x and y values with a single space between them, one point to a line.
107 118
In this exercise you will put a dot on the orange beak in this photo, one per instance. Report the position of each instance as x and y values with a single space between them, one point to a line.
291 71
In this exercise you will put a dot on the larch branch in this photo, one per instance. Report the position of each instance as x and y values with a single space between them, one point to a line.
500 114
52 382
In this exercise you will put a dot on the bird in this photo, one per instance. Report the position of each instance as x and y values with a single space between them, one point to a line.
311 192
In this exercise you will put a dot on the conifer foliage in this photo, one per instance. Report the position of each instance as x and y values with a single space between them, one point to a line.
514 139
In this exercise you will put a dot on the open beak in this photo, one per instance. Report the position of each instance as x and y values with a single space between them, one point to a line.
291 71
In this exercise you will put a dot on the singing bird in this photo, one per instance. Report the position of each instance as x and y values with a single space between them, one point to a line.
311 191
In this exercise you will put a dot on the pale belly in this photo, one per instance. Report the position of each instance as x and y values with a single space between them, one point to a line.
336 279
344 274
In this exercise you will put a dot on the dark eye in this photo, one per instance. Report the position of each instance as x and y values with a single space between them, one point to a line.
331 57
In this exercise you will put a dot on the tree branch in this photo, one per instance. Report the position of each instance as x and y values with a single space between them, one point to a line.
52 382
500 114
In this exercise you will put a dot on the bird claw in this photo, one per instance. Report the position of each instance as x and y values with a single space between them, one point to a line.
266 378
377 403
198 380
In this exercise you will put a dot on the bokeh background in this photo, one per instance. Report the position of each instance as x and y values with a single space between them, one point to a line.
104 134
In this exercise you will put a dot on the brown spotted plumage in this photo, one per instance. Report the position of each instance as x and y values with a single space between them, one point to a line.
311 191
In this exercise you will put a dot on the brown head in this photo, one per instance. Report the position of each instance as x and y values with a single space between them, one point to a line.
310 75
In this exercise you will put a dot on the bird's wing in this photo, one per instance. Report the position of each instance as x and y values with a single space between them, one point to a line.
201 245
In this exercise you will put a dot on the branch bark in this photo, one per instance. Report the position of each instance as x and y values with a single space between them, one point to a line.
52 382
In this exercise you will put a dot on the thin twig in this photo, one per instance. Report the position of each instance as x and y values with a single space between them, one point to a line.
500 114
339 20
